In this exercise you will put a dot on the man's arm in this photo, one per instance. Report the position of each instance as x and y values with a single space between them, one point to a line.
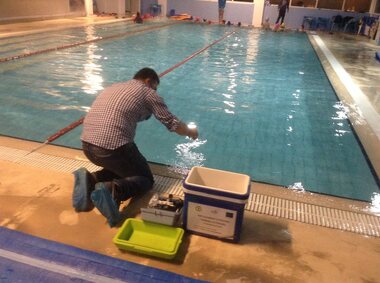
184 130
172 123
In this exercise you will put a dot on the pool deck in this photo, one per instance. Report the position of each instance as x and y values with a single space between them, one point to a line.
286 237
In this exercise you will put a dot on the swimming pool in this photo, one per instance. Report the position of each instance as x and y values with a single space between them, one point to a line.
261 100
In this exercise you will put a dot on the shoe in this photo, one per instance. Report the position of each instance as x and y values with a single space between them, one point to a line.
82 190
102 199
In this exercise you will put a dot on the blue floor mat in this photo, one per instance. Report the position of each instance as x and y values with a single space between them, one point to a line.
25 258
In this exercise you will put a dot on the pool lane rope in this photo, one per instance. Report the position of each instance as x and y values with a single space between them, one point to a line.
37 52
75 124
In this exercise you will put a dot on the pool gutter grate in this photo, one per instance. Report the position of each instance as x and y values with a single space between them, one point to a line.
356 222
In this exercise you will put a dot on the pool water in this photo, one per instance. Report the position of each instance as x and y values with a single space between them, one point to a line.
14 46
261 101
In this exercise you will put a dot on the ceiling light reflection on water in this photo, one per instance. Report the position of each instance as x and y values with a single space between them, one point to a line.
342 111
186 157
340 115
375 204
93 79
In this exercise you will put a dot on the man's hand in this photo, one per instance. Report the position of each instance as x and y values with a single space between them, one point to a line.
187 130
192 133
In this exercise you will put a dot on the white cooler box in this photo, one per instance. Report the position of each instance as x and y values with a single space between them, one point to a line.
214 202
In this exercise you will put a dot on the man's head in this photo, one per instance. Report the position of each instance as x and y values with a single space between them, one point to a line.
148 76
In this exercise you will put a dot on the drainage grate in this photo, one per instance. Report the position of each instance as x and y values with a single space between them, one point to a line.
360 223
44 161
318 215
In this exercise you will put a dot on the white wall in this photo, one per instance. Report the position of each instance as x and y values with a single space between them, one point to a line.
31 9
294 18
238 12
135 6
208 9
107 6
115 6
243 12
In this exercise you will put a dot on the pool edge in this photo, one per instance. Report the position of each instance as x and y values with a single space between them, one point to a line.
305 207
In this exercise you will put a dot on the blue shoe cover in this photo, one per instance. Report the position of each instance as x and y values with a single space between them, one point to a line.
104 202
81 195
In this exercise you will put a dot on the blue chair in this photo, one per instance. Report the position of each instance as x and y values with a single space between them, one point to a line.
351 26
345 22
155 9
172 13
366 23
322 23
310 21
336 23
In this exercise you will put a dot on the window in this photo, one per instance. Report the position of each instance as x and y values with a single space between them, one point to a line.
299 3
304 3
275 2
349 5
360 6
249 1
76 5
328 4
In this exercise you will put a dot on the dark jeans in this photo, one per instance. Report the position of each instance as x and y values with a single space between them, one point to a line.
281 15
125 168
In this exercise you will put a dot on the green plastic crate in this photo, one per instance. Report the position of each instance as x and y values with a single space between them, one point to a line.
149 238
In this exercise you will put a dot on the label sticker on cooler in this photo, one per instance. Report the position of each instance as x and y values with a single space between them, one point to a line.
211 220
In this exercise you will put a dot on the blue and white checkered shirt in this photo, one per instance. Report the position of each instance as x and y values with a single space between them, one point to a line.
113 117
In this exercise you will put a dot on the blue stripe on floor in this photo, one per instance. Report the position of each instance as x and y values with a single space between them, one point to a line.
25 258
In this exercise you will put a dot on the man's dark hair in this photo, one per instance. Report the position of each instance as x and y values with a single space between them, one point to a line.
147 73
